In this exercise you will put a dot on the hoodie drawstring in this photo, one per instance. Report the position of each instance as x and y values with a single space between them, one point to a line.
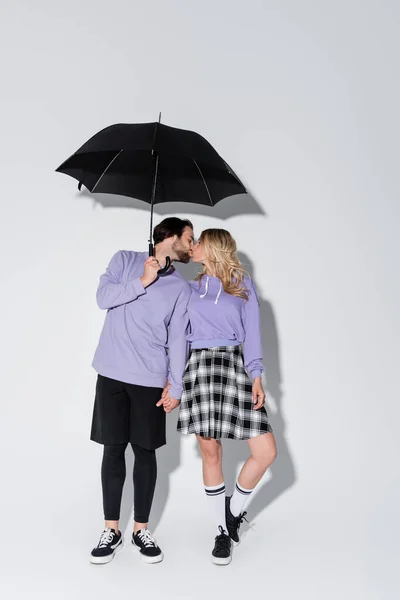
206 292
219 292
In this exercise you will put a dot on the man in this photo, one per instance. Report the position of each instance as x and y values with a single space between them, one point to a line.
142 344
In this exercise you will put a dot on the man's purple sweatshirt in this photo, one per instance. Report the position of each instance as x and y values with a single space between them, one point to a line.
143 340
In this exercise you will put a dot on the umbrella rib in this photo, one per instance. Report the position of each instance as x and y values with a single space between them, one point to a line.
204 181
233 174
105 170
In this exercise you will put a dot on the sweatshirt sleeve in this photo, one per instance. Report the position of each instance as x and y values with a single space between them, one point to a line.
252 345
112 291
178 347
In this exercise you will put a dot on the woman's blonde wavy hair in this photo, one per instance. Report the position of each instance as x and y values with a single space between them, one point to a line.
221 251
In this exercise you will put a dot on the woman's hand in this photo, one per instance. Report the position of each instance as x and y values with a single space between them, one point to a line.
166 401
258 394
170 403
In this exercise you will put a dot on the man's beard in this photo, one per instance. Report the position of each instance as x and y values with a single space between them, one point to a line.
182 253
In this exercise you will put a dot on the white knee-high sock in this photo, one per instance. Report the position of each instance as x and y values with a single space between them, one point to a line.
239 499
216 497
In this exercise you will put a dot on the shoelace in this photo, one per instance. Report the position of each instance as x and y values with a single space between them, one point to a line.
106 538
146 538
222 540
239 520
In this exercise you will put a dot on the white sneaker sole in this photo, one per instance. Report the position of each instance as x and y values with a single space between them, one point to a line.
103 560
235 543
150 560
221 561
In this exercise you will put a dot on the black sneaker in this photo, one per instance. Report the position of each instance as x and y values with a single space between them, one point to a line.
105 550
233 523
147 546
222 553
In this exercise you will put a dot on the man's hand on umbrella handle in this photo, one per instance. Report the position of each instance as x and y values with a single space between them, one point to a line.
150 274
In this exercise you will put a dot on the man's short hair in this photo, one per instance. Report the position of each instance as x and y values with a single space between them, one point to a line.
170 227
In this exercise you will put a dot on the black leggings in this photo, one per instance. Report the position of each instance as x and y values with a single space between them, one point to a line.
113 472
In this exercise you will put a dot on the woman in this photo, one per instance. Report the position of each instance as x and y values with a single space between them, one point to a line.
219 399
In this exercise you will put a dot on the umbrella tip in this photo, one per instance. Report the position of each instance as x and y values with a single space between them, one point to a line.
159 117
79 185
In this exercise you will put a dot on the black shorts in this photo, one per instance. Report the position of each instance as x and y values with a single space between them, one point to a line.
124 412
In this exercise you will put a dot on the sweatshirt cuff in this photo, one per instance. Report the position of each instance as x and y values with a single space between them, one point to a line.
138 287
256 373
175 392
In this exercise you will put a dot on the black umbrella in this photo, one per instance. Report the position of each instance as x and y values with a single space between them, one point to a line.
154 163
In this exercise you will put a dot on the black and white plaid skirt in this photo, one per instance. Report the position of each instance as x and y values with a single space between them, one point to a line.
217 399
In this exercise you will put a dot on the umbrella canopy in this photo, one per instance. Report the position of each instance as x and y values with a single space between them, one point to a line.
155 163
123 159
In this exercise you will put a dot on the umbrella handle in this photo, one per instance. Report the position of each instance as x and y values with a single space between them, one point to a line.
167 261
167 266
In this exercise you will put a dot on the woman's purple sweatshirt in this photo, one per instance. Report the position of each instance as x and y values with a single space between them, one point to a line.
220 319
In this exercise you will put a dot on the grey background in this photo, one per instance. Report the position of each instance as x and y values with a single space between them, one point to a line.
301 98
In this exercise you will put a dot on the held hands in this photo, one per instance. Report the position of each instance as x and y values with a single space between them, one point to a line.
167 401
258 394
150 274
